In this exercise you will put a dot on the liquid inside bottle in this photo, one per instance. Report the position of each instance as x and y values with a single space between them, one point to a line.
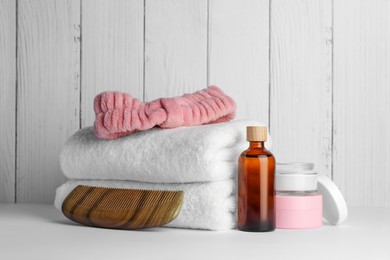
256 193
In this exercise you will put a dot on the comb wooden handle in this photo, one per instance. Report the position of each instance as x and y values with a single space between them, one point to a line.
121 208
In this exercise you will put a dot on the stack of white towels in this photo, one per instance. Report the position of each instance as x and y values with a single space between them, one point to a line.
199 160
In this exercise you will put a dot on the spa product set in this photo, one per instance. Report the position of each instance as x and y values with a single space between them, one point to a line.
173 162
291 198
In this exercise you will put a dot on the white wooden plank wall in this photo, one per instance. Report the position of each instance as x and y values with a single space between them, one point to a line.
112 50
48 93
362 101
301 81
239 53
7 99
175 47
325 102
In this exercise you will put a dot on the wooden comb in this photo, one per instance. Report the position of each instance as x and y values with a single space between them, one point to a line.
121 208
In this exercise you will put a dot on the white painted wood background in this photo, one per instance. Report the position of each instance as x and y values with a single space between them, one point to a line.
316 71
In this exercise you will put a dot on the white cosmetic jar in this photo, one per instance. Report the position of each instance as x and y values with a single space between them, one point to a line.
298 205
295 177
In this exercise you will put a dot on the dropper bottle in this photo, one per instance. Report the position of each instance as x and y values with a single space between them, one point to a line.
256 193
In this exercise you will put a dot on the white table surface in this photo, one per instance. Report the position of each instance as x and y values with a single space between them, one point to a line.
41 232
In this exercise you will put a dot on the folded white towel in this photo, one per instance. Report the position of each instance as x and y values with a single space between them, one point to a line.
205 205
180 155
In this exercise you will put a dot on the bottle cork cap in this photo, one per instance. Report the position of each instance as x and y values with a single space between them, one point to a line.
256 133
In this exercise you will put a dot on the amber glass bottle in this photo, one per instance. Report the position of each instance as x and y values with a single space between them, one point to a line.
256 193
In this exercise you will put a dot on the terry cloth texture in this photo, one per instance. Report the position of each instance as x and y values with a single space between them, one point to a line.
181 155
119 114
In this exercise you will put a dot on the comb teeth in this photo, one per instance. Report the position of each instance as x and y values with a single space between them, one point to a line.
121 208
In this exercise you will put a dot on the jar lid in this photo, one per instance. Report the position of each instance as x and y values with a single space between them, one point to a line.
335 208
